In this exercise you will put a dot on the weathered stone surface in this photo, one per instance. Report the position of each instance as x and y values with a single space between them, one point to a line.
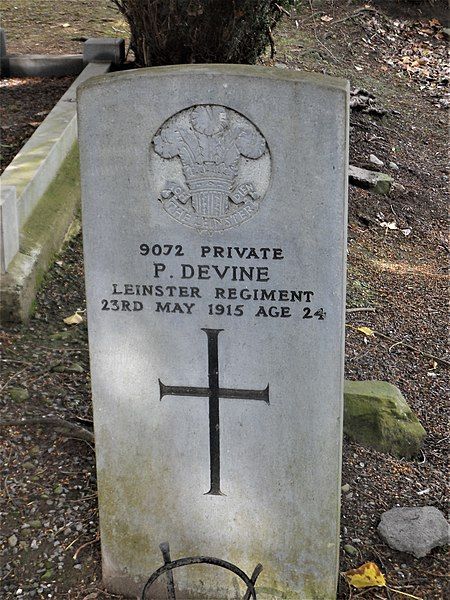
379 183
377 415
416 530
188 181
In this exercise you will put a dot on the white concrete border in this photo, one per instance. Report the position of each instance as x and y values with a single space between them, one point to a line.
37 163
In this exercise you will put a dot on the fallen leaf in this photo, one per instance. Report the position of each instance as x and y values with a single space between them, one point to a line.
326 18
74 319
367 575
366 331
66 25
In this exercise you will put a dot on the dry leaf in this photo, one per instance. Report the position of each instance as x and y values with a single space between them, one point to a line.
66 25
367 575
326 18
366 331
74 319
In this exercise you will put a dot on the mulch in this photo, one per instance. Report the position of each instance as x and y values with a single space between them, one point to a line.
49 546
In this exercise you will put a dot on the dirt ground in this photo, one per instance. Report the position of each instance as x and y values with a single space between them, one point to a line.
397 265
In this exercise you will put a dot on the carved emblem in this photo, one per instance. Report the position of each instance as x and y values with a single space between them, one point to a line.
225 163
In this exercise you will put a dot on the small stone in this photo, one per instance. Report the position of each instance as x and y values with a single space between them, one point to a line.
398 186
61 335
75 368
18 394
393 165
345 488
350 550
47 575
35 450
28 465
375 160
34 545
416 530
36 524
12 540
349 496
58 489
78 567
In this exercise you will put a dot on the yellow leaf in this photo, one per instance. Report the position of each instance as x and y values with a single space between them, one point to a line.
74 319
367 575
366 331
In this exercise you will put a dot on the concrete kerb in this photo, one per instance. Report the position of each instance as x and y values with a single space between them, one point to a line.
31 178
105 50
37 163
41 238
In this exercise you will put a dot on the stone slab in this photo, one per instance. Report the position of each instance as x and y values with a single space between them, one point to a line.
379 183
181 178
42 65
9 226
110 50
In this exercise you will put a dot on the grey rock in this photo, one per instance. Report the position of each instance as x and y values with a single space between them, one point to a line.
416 530
393 165
12 540
379 183
351 550
36 524
375 160
345 488
75 368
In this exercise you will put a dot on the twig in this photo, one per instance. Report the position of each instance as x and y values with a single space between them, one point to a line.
318 40
96 539
354 14
13 377
272 43
282 9
437 359
404 593
414 349
76 430
356 310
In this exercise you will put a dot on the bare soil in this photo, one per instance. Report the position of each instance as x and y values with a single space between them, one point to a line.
49 495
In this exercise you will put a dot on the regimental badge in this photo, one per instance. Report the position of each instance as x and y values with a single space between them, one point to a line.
225 162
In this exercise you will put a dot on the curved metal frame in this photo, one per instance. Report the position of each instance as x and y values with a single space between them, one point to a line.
195 560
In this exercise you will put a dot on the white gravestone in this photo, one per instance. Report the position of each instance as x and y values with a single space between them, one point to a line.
214 215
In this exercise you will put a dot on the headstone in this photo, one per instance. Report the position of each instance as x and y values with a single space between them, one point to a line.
214 215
